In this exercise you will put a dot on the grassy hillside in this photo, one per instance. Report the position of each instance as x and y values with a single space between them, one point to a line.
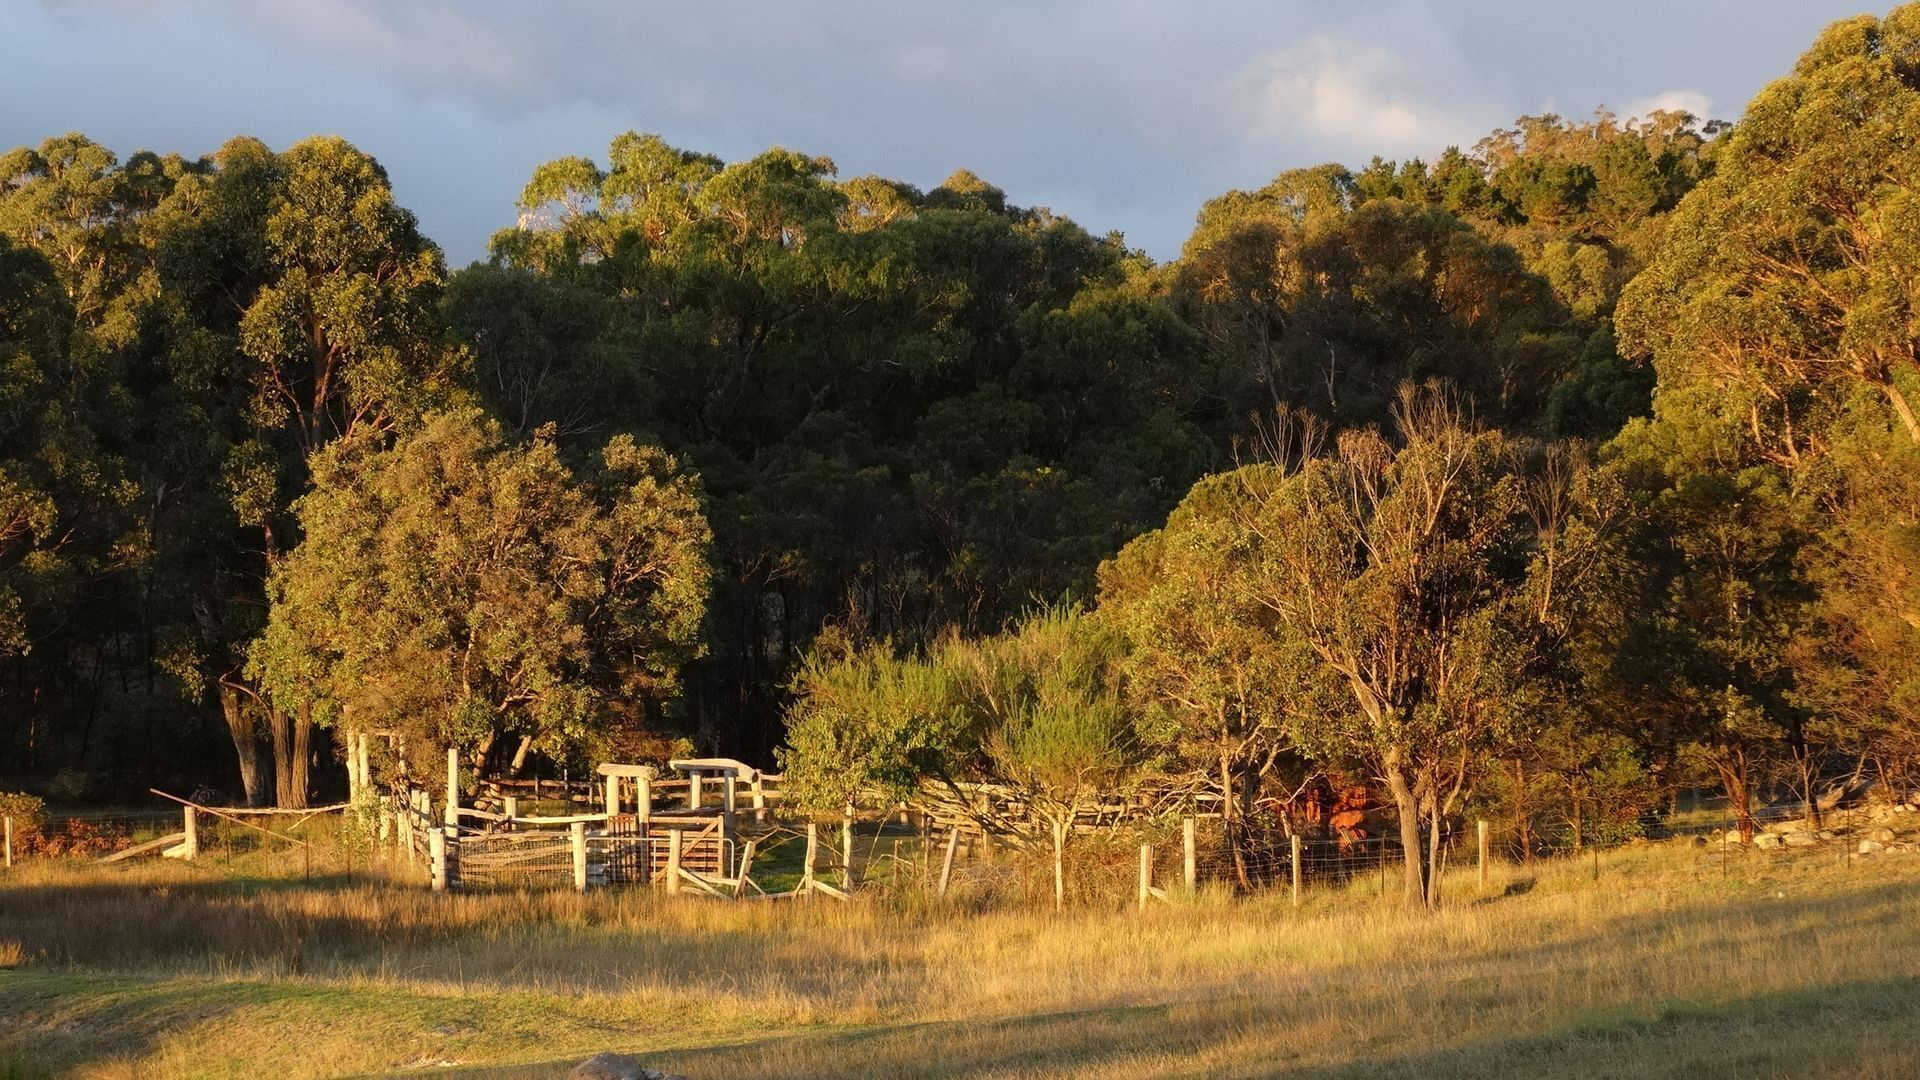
1666 964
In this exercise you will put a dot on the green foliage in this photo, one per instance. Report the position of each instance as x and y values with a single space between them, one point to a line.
1036 708
1311 300
912 411
246 485
865 719
458 586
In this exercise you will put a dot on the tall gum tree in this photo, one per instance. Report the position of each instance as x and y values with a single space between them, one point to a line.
326 292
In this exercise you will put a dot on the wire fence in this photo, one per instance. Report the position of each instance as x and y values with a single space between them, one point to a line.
103 832
902 856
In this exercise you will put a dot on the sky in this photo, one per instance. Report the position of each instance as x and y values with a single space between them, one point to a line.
1122 114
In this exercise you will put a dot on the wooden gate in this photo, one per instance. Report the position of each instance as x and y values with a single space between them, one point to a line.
626 851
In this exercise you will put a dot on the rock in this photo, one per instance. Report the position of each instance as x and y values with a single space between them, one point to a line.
1693 841
1782 828
1801 839
1868 847
1882 835
1903 808
1766 840
611 1066
1733 837
1825 834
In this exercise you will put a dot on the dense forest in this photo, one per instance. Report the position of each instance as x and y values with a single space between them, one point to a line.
1552 477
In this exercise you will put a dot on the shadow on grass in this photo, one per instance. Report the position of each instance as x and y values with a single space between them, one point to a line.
1853 1029
1862 1029
74 1019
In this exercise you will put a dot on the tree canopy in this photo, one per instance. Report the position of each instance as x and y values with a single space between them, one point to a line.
1550 477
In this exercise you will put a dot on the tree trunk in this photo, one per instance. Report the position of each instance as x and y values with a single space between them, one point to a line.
1900 407
292 749
482 753
1734 777
246 745
1232 823
1409 810
1804 764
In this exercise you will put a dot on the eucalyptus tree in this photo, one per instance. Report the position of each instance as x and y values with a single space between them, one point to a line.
309 298
1311 297
1401 597
458 587
1786 278
1779 316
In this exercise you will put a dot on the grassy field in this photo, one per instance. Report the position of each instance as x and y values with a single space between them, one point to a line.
1781 963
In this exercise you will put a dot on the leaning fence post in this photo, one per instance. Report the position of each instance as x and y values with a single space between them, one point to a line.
1146 874
190 842
1481 826
1294 847
1192 865
580 856
437 851
946 867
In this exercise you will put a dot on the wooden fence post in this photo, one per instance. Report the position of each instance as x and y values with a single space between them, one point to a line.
512 807
643 798
9 828
453 786
190 825
1146 874
813 849
946 867
613 795
673 860
1192 865
693 789
846 847
580 855
437 852
1059 865
363 761
759 799
1293 845
727 792
1481 827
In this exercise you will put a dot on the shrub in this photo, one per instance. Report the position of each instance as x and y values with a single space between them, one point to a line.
27 811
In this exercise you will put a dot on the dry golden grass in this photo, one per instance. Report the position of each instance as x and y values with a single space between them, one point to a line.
1666 966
